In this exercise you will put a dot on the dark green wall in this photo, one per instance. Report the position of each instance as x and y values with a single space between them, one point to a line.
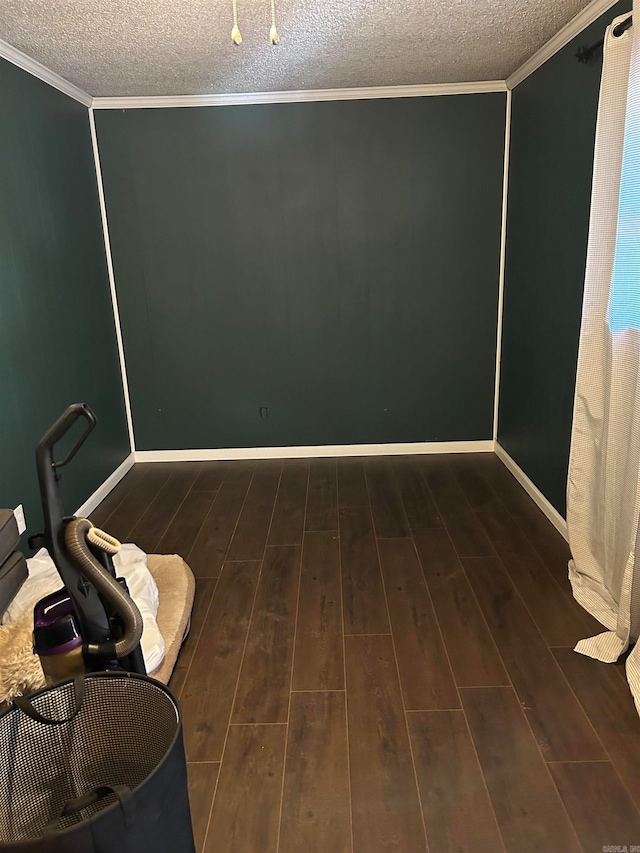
57 337
551 163
335 262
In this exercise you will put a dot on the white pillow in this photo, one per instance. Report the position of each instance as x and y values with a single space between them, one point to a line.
43 579
131 564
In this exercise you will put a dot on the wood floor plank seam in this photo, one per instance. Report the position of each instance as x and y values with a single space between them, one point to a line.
482 616
215 788
287 470
436 520
244 649
424 664
504 664
541 591
439 627
134 505
321 690
368 634
264 474
197 639
211 601
199 778
437 710
315 813
247 820
428 596
225 480
453 505
325 506
293 647
364 605
145 472
372 466
472 514
546 772
449 822
606 751
344 658
484 778
168 524
448 587
265 679
122 497
555 663
395 657
353 462
598 806
166 486
462 469
214 495
105 522
559 669
214 523
566 810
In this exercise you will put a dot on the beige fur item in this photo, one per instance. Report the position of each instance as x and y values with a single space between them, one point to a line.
20 671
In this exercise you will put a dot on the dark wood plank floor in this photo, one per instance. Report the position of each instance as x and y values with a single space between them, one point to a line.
381 660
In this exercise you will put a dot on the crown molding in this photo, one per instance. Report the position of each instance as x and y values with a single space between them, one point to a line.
31 66
575 26
235 99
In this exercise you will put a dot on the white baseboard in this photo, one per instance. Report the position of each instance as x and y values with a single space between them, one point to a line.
304 452
532 490
109 484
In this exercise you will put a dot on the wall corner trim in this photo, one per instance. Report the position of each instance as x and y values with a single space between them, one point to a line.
313 452
532 490
32 66
575 26
109 484
287 97
112 281
503 262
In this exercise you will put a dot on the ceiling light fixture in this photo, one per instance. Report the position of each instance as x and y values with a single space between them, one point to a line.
236 35
274 38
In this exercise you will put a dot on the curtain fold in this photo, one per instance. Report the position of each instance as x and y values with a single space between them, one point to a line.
603 489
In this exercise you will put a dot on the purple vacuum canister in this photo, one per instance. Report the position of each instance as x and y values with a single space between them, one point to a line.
55 631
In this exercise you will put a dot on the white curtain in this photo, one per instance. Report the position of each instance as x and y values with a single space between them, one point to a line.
603 491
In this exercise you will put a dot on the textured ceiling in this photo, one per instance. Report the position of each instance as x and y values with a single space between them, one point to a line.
183 47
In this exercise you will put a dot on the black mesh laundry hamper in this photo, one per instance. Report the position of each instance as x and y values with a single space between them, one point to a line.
109 778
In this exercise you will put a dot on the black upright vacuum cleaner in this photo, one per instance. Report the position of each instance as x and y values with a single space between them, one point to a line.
94 762
94 606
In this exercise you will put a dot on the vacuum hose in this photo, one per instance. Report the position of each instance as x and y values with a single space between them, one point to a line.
76 534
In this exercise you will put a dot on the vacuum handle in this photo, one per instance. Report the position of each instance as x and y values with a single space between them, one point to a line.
44 451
